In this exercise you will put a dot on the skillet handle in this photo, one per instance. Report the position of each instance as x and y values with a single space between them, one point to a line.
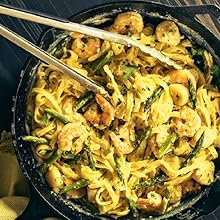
193 10
37 208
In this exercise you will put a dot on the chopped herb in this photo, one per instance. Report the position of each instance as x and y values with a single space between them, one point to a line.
128 71
129 34
45 119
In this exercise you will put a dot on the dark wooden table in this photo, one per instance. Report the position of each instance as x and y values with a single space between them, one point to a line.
13 58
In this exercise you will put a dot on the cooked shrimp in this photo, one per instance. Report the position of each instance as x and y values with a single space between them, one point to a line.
179 94
181 77
54 178
122 145
187 123
168 32
97 118
92 115
72 137
205 173
85 46
108 111
128 22
152 203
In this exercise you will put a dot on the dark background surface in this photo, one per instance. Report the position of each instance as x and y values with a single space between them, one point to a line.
12 58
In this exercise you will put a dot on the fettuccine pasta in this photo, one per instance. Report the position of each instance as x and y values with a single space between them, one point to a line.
148 146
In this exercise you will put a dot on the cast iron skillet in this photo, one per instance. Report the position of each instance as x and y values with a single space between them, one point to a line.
44 203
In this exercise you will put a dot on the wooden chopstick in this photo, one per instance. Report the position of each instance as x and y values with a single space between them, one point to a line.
95 32
46 57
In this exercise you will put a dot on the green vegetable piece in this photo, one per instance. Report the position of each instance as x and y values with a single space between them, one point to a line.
128 71
153 98
102 61
75 160
129 34
148 183
38 140
58 52
83 100
74 186
90 157
71 159
118 167
192 94
45 119
53 158
195 150
57 115
167 145
133 207
215 72
142 134
91 206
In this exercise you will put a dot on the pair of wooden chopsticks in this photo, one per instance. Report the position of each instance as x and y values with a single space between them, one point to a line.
70 26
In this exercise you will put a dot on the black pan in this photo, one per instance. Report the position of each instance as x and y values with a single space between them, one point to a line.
43 203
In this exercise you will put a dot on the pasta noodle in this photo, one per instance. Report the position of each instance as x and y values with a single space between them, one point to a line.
156 135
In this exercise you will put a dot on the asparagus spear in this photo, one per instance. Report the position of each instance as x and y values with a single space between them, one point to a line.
83 100
73 161
118 167
148 183
57 115
54 157
38 140
153 98
74 186
192 94
128 71
195 150
91 206
142 134
99 63
166 145
90 157
132 207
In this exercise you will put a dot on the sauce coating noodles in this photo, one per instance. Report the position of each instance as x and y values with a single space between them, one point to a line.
147 147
